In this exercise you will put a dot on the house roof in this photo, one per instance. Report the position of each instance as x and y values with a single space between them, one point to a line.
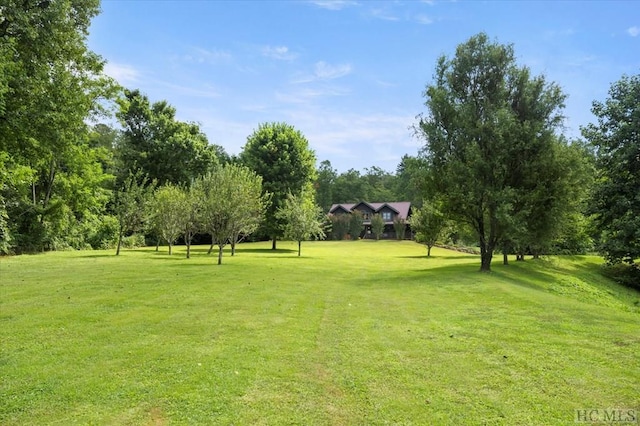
401 208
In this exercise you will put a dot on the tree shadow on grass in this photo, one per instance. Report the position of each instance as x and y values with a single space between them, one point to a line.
433 256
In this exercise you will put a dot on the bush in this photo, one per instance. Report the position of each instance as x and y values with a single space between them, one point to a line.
105 234
624 273
133 241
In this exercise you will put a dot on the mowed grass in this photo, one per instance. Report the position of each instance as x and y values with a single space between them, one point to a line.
351 333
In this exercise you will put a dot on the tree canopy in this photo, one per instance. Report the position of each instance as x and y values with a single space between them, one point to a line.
616 199
281 155
486 132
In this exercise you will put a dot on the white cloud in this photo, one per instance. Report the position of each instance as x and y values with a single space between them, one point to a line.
122 73
423 19
334 4
308 95
633 31
326 71
278 52
200 55
323 71
384 15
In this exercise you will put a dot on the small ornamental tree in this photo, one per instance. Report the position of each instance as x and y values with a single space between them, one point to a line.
427 223
339 226
191 216
356 224
167 212
400 226
130 201
302 218
377 225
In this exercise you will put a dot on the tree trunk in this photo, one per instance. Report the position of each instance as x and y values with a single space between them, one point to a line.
189 250
428 251
210 248
170 246
485 259
505 258
158 244
220 255
119 242
273 244
299 247
233 246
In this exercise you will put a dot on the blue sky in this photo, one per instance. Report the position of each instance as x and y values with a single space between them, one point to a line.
349 74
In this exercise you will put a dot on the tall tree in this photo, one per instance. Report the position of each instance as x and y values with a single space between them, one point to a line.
324 185
50 84
302 217
616 199
484 114
281 155
154 141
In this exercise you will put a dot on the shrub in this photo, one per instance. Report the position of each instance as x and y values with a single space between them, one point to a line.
624 273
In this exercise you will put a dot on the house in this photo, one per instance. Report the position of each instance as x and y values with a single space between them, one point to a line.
389 212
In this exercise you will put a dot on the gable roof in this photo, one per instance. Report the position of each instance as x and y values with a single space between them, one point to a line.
402 208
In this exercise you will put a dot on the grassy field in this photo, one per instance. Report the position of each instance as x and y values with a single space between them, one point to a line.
351 333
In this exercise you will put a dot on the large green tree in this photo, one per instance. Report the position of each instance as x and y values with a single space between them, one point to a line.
50 85
616 198
427 222
154 141
282 156
487 117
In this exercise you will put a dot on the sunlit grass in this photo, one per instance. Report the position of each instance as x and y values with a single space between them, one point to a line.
350 333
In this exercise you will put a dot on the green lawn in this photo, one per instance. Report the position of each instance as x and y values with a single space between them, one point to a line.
350 333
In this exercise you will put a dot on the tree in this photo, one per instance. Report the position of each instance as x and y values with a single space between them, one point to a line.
165 149
400 226
377 225
130 204
616 199
427 223
487 129
339 226
50 85
324 185
410 180
281 155
303 218
232 201
356 224
191 214
168 212
350 187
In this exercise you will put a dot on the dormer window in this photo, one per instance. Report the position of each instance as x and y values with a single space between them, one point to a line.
386 216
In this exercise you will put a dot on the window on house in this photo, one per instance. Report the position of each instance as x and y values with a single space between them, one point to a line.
365 216
386 216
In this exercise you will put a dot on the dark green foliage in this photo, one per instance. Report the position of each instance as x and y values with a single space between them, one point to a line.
324 185
339 226
377 226
487 133
280 154
616 198
165 149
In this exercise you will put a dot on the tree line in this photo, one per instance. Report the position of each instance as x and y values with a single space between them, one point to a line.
495 167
